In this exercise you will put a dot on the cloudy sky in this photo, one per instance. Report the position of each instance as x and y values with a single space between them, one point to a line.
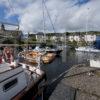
66 15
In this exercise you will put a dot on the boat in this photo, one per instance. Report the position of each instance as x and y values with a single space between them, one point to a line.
87 49
48 49
49 57
30 56
54 49
19 80
37 48
16 82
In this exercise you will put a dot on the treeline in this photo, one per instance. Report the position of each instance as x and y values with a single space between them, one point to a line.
83 33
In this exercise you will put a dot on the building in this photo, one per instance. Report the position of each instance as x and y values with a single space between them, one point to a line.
71 38
9 34
63 37
77 38
40 37
90 38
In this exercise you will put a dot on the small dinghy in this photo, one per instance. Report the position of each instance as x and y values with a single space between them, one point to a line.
49 57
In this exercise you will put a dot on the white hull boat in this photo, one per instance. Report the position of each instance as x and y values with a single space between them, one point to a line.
16 82
86 49
12 81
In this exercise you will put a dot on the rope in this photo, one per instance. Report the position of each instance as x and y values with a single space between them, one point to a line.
13 10
43 16
43 20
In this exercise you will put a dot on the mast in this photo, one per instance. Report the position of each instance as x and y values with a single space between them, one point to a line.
87 24
43 11
48 14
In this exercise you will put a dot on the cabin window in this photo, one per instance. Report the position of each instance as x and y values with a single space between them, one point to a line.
10 84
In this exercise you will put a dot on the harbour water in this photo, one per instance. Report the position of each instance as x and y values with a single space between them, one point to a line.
61 64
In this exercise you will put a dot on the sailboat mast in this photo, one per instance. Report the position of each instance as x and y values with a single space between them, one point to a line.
87 23
43 11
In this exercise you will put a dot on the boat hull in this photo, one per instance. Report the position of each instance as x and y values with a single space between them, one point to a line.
34 90
11 83
57 52
48 58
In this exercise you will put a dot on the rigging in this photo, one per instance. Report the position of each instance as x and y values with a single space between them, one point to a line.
44 4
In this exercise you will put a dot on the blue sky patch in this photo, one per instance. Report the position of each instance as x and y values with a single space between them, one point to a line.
3 11
81 2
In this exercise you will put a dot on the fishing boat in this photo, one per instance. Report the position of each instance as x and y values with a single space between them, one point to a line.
49 57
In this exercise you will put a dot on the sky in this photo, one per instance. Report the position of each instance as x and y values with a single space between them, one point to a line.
66 15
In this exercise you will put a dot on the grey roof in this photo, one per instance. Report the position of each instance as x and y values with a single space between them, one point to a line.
9 33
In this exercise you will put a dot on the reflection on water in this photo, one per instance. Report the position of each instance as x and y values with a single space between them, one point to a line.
63 63
67 59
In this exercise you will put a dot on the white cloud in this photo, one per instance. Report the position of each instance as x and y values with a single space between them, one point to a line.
65 15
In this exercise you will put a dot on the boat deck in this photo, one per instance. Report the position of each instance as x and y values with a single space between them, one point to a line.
4 67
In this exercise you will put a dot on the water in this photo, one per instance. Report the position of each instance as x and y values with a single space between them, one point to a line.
64 62
61 64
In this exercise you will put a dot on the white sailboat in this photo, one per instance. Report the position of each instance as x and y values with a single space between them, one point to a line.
16 81
87 48
12 81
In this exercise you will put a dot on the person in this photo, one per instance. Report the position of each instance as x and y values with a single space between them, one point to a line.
8 55
0 57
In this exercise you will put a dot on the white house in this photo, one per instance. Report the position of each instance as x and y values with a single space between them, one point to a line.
74 38
71 38
40 37
90 38
77 38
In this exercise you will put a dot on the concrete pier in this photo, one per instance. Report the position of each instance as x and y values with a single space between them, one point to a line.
81 82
